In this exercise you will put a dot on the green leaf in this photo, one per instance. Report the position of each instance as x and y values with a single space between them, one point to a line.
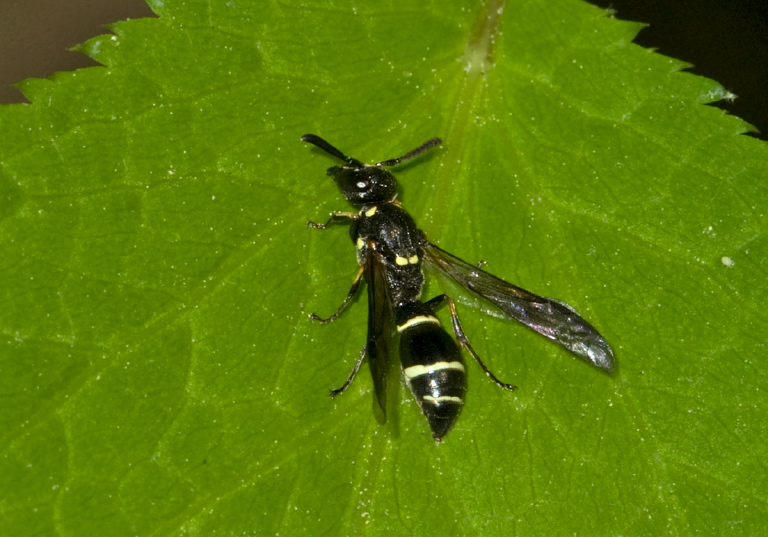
158 372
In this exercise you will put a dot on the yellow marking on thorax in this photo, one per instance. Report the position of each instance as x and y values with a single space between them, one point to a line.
402 261
370 212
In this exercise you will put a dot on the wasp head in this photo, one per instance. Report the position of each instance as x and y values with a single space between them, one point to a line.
366 184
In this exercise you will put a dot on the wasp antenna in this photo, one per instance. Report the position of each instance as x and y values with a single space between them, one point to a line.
426 146
328 148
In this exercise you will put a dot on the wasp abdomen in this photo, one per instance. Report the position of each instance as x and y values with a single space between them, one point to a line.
434 370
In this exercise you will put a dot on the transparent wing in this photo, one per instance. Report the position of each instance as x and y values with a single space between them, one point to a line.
548 317
380 331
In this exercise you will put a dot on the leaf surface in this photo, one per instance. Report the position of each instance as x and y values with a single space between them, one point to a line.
159 373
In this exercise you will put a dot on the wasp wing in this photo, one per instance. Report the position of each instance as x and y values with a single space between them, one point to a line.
548 317
380 333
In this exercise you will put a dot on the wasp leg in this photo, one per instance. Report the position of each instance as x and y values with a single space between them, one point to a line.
350 296
352 376
461 336
334 219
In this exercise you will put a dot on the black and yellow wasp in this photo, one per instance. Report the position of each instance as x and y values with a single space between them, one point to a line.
390 251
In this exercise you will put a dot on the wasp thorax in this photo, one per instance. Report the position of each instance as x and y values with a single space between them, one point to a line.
364 185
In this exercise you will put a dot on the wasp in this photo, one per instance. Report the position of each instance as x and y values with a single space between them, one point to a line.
391 253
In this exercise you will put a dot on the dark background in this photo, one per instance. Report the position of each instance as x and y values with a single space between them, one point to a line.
726 40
